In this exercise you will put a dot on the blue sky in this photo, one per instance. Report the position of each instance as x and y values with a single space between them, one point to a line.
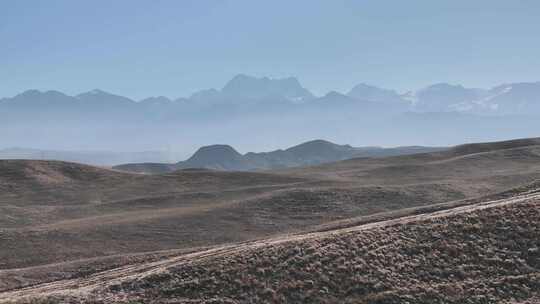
173 48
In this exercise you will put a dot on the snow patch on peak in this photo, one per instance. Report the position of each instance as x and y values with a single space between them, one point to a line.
507 89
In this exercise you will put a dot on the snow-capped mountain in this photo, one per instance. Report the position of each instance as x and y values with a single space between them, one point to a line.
514 98
270 110
444 97
253 92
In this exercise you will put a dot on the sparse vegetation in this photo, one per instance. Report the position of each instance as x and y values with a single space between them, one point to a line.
363 249
482 257
56 211
485 256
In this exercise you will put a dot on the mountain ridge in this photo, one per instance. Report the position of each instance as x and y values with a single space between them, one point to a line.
109 121
314 152
310 153
510 98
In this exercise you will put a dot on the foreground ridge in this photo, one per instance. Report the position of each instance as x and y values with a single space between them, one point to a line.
484 252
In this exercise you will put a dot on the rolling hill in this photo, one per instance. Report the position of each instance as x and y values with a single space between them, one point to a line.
483 252
56 211
96 158
225 157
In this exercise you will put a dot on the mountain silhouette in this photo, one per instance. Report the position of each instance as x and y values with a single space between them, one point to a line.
226 158
276 107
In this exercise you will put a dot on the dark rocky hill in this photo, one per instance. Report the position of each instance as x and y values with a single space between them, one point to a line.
225 157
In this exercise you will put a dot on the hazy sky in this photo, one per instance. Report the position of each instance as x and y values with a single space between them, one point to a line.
173 48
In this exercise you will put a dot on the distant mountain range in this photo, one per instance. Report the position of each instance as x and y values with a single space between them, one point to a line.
516 98
226 158
259 113
244 91
97 158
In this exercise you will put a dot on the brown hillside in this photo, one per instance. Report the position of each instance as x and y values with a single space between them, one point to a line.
482 253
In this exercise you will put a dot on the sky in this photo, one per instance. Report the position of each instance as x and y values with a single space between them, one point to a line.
173 48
